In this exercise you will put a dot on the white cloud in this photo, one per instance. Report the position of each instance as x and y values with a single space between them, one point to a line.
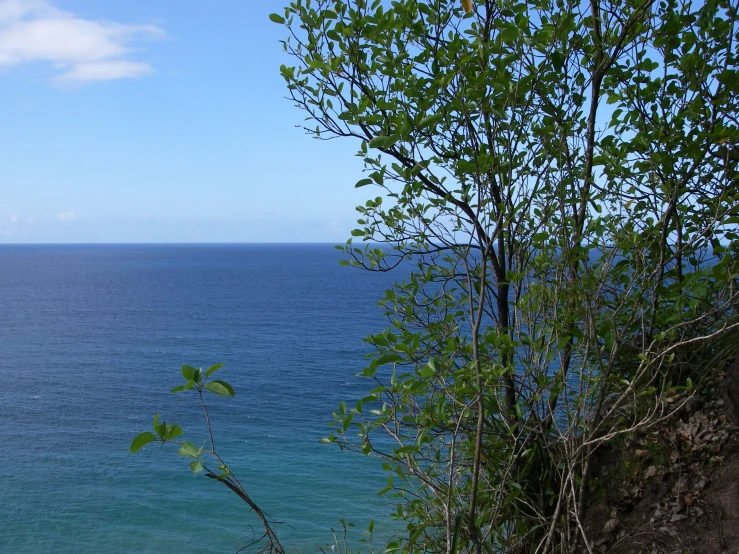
104 71
67 216
82 50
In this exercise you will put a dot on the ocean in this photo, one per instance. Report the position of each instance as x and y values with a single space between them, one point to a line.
92 339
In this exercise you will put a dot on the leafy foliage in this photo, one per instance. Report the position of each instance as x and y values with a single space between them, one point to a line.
560 176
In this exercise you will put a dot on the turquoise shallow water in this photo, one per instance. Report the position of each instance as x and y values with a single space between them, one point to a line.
93 337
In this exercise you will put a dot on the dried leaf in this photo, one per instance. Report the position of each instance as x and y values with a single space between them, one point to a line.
610 525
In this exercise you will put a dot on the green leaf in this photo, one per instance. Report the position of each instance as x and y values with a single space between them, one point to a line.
172 431
142 440
213 369
430 120
557 59
159 428
387 359
220 387
728 77
509 35
180 388
189 372
382 142
426 372
188 449
196 466
363 183
276 18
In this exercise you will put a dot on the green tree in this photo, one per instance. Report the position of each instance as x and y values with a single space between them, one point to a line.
560 175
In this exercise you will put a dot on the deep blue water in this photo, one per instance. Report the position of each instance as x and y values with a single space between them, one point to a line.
91 339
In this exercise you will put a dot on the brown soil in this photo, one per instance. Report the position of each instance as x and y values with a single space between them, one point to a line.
674 489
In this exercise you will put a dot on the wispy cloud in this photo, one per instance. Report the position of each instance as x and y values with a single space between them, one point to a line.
67 216
81 50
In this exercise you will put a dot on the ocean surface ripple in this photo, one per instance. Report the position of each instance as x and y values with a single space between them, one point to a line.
91 341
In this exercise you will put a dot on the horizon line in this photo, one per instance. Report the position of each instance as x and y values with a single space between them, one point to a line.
171 243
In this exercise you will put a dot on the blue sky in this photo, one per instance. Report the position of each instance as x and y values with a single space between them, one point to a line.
160 121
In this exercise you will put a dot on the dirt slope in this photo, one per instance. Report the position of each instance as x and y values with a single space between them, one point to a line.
674 489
